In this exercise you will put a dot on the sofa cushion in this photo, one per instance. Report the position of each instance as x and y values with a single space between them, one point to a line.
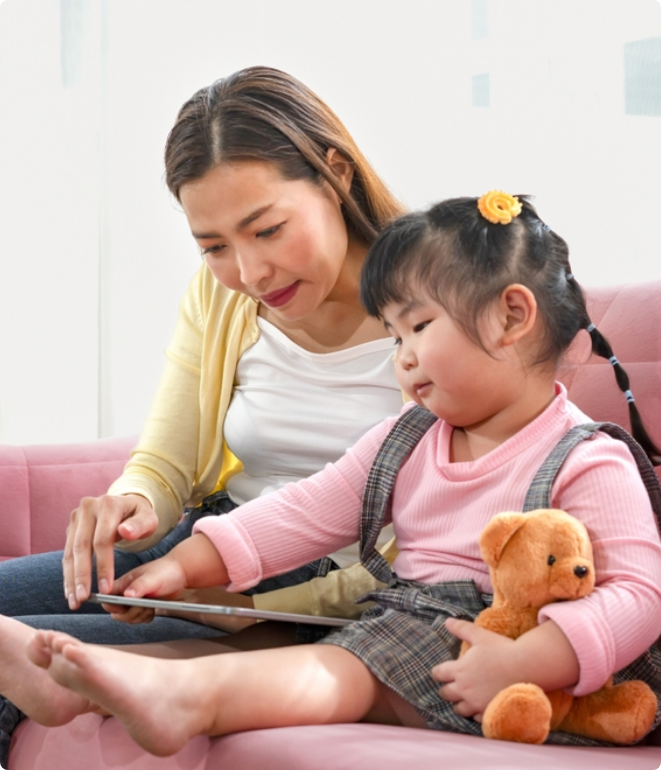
93 742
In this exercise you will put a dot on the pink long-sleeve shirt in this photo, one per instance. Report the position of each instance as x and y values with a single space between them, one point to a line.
439 508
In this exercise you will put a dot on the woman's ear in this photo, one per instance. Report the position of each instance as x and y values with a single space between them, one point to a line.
518 312
341 167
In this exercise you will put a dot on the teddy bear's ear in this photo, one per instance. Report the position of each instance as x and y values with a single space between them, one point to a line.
496 535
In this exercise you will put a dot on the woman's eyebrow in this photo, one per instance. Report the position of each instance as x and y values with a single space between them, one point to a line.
252 217
256 214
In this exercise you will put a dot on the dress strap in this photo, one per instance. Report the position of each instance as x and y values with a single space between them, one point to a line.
398 444
539 492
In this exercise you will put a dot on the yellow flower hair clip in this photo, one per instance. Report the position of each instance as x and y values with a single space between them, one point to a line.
499 207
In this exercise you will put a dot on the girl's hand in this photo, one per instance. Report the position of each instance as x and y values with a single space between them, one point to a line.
131 615
193 563
487 667
94 528
494 662
164 578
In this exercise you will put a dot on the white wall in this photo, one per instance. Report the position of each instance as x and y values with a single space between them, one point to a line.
48 232
94 255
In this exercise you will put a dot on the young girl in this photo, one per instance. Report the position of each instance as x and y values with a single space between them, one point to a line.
481 301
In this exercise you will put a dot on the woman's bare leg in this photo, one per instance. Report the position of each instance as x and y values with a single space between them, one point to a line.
215 695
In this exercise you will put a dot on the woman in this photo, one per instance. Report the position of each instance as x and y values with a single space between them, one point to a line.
274 360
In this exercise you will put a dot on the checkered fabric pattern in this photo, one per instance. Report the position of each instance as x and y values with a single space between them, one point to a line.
539 493
396 447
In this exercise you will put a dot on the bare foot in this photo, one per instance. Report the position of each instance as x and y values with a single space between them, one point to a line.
155 699
29 687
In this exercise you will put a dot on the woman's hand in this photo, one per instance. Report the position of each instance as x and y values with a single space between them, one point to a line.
94 528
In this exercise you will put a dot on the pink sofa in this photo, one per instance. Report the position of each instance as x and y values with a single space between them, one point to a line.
42 484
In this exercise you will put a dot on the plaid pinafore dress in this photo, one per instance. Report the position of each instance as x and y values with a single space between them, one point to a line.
404 636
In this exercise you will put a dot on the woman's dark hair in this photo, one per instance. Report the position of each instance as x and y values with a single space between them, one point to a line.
263 114
464 262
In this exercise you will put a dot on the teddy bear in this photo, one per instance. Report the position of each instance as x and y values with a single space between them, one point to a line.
536 558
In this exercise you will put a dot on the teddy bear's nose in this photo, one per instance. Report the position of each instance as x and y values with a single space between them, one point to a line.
580 572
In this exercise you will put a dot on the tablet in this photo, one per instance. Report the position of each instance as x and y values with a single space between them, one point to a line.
242 612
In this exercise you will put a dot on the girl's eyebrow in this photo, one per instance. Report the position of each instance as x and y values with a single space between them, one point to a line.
407 307
256 214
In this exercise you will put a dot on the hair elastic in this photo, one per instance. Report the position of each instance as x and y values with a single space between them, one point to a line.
613 361
590 328
629 396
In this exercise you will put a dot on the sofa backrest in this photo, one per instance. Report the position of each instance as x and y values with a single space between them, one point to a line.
42 484
630 317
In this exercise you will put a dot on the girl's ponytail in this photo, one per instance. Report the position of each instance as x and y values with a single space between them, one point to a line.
601 347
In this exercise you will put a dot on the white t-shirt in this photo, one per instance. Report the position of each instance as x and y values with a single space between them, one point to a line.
294 411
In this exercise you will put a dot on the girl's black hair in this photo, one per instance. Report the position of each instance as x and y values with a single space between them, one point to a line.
464 262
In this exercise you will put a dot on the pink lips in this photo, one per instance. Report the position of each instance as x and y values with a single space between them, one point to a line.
421 388
281 296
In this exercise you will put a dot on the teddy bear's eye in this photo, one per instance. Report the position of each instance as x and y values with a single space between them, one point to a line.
551 560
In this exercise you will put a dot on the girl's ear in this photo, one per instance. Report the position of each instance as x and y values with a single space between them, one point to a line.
341 167
518 312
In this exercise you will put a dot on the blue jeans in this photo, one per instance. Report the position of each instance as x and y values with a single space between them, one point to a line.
31 590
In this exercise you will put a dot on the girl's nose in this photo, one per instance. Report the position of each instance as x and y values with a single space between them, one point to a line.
405 357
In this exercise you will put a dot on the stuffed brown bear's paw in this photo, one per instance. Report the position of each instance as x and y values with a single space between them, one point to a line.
621 714
520 713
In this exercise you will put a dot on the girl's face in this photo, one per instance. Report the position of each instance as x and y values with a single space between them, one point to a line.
279 241
442 369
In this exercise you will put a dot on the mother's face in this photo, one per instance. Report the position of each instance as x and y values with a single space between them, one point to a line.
280 241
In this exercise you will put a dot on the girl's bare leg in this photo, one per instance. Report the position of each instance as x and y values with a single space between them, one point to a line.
215 695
